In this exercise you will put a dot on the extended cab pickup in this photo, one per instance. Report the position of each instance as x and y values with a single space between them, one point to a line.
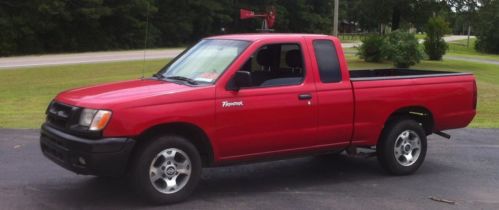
237 98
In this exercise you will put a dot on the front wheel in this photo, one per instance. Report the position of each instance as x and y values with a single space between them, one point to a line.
167 169
402 147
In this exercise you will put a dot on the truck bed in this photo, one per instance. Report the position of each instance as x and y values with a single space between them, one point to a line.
386 74
449 96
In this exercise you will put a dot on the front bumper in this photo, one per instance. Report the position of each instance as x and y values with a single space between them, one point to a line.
101 157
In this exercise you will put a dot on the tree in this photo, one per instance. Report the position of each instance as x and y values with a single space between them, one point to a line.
39 26
422 11
7 37
434 44
466 12
402 48
488 30
18 24
371 49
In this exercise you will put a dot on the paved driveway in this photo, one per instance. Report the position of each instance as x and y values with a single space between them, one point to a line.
464 170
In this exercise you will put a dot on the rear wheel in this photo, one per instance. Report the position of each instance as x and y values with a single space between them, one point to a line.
167 169
402 147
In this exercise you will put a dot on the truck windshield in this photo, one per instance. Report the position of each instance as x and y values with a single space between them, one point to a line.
204 62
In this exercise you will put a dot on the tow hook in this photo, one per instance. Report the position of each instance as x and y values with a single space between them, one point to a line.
442 134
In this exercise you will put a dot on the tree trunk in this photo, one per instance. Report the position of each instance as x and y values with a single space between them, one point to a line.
395 18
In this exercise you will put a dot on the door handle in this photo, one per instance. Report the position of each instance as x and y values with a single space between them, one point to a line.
305 96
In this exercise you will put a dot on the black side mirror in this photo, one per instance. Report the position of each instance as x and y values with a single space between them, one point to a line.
241 79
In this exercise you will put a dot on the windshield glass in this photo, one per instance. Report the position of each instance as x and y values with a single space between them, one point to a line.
205 61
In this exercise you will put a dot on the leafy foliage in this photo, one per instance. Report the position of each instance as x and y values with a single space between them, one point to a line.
41 26
402 48
488 30
434 44
371 49
435 48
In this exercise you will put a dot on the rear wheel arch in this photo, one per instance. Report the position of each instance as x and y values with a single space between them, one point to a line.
420 114
191 132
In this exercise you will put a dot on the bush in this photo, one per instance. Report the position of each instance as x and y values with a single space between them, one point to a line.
371 48
435 49
434 44
488 31
402 48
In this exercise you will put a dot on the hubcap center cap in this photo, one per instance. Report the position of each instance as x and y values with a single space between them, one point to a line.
407 148
170 171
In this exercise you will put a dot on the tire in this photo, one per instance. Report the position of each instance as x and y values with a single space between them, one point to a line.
164 159
402 147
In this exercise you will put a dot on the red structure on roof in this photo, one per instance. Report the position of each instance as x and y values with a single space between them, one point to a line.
268 18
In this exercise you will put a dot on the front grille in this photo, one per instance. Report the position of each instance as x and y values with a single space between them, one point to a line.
61 115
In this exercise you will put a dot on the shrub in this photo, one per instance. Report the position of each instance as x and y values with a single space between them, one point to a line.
402 48
434 44
487 30
371 48
435 49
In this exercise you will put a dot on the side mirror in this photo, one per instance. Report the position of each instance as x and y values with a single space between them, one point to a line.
241 79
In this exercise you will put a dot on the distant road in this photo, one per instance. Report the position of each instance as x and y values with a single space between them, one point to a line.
79 58
457 37
98 57
471 59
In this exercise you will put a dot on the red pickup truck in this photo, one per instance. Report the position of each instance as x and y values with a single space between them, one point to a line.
238 98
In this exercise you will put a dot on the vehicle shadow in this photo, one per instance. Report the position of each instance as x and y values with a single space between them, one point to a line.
241 179
287 174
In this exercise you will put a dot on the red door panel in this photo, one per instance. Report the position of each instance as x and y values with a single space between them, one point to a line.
270 119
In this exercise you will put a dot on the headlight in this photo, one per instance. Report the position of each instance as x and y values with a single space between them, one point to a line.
95 120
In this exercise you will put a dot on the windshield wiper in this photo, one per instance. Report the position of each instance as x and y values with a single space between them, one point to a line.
181 78
158 75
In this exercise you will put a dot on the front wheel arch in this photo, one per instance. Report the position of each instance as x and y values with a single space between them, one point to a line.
191 132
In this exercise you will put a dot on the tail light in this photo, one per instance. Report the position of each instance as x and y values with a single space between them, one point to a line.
475 95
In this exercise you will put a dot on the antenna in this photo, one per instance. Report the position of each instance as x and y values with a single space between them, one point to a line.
145 40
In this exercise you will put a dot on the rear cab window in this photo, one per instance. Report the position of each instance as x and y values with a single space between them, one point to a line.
327 61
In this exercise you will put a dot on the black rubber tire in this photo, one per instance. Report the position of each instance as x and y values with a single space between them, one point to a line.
385 148
139 170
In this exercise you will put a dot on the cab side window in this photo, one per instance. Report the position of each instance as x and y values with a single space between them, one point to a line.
276 65
327 61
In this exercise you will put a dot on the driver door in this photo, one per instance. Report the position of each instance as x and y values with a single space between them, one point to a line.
277 113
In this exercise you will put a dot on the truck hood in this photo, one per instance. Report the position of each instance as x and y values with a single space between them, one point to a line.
111 94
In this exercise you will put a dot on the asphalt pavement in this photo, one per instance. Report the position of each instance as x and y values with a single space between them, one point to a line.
464 170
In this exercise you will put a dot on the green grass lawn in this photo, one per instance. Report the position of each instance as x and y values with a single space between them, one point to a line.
349 38
461 48
353 38
25 93
420 36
